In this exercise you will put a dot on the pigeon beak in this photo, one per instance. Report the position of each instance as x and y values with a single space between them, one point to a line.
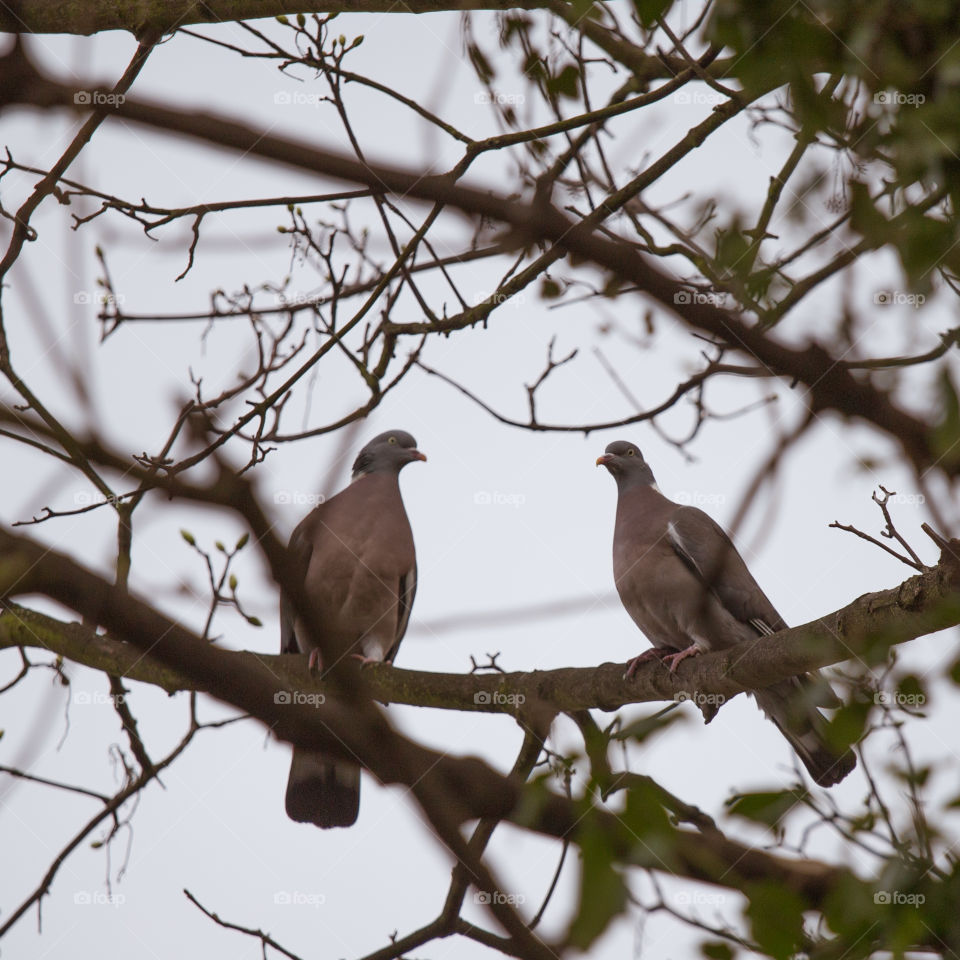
417 455
604 460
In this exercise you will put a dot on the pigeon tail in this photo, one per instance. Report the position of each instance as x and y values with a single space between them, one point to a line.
322 791
804 729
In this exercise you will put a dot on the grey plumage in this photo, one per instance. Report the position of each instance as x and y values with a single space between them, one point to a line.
357 562
687 588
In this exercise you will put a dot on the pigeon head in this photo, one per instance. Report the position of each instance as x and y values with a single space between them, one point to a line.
387 453
627 466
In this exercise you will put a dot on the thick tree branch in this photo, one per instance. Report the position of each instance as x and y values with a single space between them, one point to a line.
141 16
861 630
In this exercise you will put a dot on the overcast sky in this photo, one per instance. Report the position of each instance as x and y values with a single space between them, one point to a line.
503 519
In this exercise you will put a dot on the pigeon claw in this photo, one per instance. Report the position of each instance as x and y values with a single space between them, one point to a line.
365 661
654 653
313 664
673 660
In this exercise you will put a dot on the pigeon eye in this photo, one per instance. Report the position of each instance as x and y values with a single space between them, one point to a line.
392 440
630 453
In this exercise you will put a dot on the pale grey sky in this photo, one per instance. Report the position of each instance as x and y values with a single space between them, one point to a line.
219 827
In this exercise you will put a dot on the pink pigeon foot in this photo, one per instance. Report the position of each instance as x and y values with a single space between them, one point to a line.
673 660
365 661
313 664
654 653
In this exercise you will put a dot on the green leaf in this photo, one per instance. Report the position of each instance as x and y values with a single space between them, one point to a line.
242 542
219 545
189 537
550 289
945 436
645 817
717 950
850 909
766 807
603 893
649 11
848 723
255 621
566 83
645 727
776 919
233 581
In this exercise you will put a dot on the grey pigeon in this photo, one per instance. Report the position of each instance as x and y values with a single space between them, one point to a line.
356 558
687 588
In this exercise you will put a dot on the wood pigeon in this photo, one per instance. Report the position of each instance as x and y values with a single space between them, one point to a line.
687 588
356 558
